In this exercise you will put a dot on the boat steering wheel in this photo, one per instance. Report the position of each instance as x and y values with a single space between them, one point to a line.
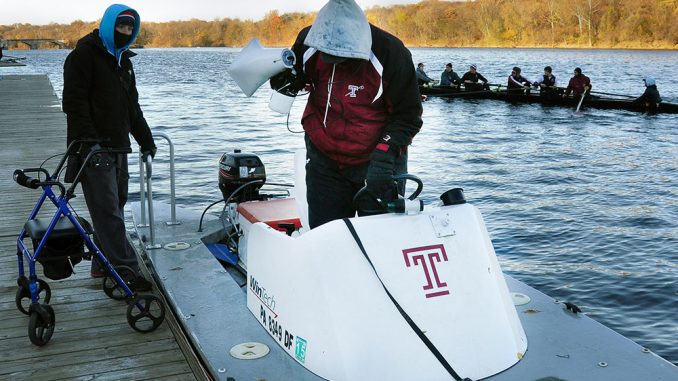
362 192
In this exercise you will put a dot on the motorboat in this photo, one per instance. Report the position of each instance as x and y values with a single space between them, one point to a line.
413 294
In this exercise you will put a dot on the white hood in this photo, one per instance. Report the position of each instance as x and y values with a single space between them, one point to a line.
341 29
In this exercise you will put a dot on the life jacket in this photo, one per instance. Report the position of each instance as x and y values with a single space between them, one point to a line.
548 81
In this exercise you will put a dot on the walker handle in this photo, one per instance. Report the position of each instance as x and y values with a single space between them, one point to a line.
25 181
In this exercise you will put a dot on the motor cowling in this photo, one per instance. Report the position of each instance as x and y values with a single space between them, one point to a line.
237 169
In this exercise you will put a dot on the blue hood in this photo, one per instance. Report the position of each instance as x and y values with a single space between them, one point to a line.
107 29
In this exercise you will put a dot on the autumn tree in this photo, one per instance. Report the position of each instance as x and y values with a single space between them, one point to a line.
552 23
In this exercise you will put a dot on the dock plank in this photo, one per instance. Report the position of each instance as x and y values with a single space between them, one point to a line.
142 362
92 339
86 355
165 372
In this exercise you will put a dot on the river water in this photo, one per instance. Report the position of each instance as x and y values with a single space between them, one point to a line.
582 206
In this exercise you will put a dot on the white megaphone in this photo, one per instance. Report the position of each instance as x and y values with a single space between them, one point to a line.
255 65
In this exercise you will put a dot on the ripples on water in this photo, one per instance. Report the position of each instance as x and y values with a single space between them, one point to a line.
582 207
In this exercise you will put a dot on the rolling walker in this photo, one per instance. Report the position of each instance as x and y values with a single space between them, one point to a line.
58 244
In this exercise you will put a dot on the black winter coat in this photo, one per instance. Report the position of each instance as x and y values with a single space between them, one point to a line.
100 98
651 96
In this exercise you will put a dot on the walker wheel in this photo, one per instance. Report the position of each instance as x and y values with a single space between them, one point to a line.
41 324
112 288
145 313
22 299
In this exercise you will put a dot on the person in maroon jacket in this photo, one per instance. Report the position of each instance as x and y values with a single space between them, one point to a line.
579 84
363 110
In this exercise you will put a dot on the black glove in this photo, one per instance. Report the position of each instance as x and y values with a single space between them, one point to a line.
379 177
288 82
145 154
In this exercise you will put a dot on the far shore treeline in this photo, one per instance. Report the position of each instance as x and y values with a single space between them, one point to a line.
632 24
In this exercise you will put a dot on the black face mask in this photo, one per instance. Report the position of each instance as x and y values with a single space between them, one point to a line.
121 39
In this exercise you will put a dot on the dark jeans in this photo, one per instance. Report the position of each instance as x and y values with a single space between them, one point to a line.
104 185
330 189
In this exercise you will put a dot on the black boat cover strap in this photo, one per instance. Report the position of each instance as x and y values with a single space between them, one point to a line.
404 314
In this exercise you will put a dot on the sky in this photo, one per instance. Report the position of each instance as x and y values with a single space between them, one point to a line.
40 12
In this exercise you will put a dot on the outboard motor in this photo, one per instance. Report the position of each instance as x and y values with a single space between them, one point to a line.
237 169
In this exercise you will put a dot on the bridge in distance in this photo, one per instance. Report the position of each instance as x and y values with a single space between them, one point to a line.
33 43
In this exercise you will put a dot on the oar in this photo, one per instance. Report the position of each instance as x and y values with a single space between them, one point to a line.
459 92
462 92
580 101
611 94
515 89
478 83
508 90
601 93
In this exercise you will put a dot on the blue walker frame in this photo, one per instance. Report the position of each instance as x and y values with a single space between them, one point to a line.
63 209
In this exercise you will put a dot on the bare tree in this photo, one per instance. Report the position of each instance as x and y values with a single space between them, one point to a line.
553 18
592 9
488 14
585 11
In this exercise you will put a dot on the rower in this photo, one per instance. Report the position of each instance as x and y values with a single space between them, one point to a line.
650 97
422 78
471 78
449 78
547 84
579 85
517 84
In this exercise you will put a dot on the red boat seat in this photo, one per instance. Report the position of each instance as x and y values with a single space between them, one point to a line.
274 213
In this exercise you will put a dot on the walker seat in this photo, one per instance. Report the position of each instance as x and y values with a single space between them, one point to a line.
64 247
36 228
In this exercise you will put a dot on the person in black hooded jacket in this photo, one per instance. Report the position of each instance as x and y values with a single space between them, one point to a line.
101 103
650 98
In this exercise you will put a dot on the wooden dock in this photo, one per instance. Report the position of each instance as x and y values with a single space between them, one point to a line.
92 340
